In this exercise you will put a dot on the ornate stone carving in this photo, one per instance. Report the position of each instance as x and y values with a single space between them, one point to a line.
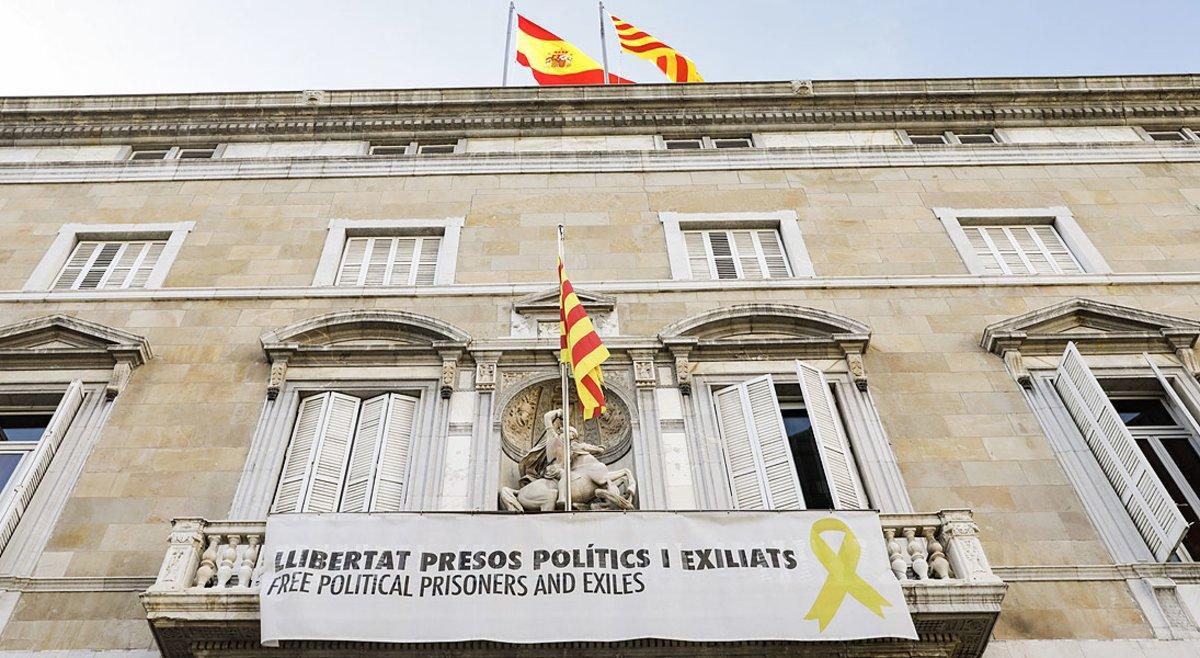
544 482
521 422
485 375
278 374
644 374
449 374
858 370
120 378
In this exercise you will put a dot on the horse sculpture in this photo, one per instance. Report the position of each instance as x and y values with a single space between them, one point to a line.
593 486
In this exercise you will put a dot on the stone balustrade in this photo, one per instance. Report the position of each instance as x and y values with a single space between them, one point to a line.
207 587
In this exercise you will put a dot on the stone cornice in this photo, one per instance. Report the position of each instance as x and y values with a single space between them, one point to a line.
599 162
579 110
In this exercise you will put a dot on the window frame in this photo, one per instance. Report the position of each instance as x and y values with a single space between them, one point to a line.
1059 217
340 230
785 222
70 235
705 142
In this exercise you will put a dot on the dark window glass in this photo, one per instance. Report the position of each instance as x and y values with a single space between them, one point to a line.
196 154
927 140
148 155
984 138
673 144
1191 540
436 148
803 442
1143 412
23 427
1167 136
8 466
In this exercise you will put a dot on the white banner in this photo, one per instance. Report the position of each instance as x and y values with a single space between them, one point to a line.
584 576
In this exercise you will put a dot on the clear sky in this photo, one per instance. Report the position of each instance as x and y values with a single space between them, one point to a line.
147 46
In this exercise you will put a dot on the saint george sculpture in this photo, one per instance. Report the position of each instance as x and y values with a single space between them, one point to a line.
543 487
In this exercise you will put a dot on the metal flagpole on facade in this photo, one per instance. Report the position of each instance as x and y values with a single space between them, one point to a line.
512 7
563 368
603 44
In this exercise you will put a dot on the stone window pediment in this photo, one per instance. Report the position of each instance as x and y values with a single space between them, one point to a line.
365 338
769 331
1096 328
536 315
64 342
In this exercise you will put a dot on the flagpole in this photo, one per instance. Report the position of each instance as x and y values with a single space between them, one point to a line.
563 366
512 7
603 43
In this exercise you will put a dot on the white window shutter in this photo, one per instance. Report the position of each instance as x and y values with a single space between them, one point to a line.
331 452
697 255
721 254
293 482
315 466
775 260
391 474
757 454
350 273
832 443
37 461
364 455
747 254
379 259
1143 495
378 467
1173 395
81 256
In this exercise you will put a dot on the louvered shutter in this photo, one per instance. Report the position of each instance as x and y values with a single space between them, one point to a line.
379 460
1143 495
37 461
720 251
350 273
80 258
426 263
774 258
697 255
758 457
331 454
832 443
143 268
364 455
1057 250
747 254
315 466
1192 423
391 473
379 260
982 245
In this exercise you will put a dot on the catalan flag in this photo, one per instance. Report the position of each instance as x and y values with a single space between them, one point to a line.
557 62
580 346
677 67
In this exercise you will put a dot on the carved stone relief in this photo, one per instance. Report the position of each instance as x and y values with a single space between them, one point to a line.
521 422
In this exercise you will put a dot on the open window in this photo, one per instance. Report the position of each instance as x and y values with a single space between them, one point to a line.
785 446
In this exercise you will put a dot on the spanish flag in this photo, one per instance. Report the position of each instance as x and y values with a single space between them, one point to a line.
677 67
580 346
556 62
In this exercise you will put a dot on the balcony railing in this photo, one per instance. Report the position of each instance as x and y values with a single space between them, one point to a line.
208 583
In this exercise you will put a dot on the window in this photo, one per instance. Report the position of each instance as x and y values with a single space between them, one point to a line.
416 148
928 140
109 256
102 265
1166 135
389 261
31 429
403 252
173 153
348 454
750 254
703 246
1021 249
970 137
697 143
784 445
1022 241
1144 450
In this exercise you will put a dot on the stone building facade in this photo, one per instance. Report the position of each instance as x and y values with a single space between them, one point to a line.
993 284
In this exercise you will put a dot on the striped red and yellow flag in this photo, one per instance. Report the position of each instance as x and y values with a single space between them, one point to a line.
580 346
556 62
677 67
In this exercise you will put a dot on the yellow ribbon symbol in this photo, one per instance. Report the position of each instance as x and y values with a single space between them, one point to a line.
843 579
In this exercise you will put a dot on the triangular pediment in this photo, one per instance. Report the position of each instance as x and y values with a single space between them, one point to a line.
547 301
60 340
1084 319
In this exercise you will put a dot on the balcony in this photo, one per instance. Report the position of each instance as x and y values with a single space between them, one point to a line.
205 599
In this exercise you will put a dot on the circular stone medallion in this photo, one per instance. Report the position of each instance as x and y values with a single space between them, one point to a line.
521 422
